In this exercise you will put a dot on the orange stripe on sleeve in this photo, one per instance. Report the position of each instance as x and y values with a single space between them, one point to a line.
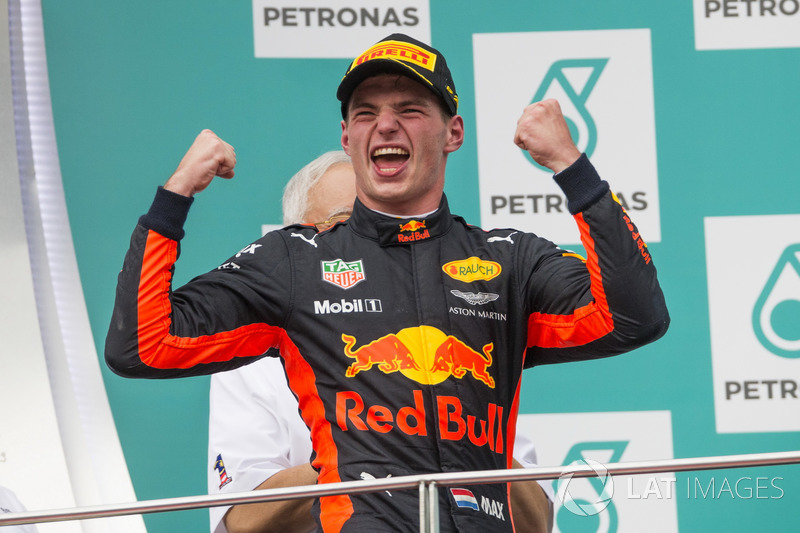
157 347
585 324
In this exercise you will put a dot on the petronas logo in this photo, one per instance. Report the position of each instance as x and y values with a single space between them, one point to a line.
588 496
776 315
571 81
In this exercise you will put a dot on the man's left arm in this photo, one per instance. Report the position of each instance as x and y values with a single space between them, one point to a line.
609 303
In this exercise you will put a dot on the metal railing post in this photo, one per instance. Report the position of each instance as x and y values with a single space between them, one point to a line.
433 507
423 507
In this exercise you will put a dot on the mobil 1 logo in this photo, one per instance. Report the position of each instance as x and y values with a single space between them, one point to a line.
753 268
357 305
604 84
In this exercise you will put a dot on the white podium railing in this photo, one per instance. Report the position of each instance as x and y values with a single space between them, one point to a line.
427 484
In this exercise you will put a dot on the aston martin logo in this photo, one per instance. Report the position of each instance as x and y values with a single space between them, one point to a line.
476 299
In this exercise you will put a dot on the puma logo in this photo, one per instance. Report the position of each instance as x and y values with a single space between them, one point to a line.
309 241
507 238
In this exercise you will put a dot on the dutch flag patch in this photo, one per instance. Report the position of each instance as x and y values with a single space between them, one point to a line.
465 498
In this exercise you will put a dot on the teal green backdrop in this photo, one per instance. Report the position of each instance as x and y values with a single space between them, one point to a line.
132 83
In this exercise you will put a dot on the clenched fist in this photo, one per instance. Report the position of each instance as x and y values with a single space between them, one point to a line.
543 133
209 156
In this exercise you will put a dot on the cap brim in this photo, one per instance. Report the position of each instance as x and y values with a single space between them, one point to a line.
374 68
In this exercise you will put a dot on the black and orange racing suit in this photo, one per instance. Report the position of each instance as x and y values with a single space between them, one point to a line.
403 339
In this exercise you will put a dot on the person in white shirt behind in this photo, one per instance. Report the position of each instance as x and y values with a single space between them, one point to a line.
9 503
257 439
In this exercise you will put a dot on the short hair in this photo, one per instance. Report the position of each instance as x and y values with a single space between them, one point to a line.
295 194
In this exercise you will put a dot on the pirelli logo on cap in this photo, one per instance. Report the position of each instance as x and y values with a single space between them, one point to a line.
406 52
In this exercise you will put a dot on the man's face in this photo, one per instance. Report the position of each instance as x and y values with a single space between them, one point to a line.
398 138
332 195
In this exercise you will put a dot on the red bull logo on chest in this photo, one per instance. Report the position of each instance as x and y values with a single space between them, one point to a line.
344 274
423 354
453 421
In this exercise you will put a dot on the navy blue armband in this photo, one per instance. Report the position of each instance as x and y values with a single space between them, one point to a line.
167 214
581 184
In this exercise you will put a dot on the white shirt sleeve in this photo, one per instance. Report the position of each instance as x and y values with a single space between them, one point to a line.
254 431
525 454
9 503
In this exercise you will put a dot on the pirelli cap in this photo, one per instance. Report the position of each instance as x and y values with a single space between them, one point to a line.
401 54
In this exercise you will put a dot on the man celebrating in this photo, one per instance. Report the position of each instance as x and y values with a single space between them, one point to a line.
404 330
256 439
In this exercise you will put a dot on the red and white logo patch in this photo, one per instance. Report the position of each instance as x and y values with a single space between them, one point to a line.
344 274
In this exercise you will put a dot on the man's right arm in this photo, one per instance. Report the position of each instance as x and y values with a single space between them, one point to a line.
218 321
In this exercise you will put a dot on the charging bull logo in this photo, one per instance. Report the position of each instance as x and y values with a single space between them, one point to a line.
423 354
412 225
418 231
457 358
388 352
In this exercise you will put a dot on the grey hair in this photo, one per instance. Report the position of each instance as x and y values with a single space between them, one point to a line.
295 194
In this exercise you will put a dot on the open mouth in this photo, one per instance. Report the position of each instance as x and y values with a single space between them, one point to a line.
389 159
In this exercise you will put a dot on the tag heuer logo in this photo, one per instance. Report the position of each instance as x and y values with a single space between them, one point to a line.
344 274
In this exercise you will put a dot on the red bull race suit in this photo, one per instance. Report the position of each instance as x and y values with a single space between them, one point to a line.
403 339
